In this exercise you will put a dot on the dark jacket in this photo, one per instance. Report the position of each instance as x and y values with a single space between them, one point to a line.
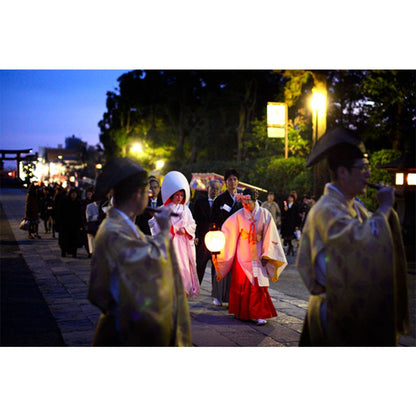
219 208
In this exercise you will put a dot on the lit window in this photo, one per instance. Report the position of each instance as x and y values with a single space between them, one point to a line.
411 179
399 178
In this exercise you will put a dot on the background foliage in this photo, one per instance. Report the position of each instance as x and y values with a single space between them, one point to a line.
209 120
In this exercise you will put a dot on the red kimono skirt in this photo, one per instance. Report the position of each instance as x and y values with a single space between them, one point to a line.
247 301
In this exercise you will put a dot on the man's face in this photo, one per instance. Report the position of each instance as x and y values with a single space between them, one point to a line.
214 190
154 189
232 183
357 177
142 200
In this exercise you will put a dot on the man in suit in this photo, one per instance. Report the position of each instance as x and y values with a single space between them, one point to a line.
201 212
224 206
155 200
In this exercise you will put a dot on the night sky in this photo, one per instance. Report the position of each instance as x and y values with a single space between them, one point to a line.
43 107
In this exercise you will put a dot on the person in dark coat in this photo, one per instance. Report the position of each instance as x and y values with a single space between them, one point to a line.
202 213
32 210
155 200
70 224
290 222
224 206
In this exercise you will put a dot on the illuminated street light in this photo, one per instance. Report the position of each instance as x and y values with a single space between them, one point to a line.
160 164
136 148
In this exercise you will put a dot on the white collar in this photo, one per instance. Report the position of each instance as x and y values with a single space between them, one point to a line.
129 222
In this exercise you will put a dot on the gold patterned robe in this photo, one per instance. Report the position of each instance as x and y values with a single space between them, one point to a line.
365 271
136 283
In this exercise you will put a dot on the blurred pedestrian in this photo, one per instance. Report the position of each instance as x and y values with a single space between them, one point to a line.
47 209
70 220
135 279
32 211
202 213
224 206
155 200
175 195
272 206
254 253
290 223
352 261
92 223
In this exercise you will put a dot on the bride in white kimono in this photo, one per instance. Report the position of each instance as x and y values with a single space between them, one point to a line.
176 194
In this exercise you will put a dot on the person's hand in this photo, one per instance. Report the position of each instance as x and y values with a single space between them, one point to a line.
196 241
215 263
163 219
385 197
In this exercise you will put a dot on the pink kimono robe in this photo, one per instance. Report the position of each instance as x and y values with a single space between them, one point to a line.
250 237
184 246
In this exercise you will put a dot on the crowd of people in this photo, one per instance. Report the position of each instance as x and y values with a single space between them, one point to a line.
71 215
149 256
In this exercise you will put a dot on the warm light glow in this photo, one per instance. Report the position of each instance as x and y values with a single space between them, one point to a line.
160 164
214 241
411 178
136 148
276 114
59 156
98 166
399 178
72 178
318 101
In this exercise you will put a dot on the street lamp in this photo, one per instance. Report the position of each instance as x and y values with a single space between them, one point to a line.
136 148
318 104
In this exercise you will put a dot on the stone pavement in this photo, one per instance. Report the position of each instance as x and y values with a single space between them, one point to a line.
63 284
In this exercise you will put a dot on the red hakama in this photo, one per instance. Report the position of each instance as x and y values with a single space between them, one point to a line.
248 301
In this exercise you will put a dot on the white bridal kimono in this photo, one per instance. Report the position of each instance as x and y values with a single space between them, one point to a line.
184 246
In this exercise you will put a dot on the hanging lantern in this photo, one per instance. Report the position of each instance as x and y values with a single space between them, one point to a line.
214 241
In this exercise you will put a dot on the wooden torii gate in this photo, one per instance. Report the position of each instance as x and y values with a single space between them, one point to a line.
5 156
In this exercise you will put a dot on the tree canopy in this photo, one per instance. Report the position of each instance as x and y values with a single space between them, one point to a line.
191 117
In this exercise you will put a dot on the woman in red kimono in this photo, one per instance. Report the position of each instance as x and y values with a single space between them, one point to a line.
254 252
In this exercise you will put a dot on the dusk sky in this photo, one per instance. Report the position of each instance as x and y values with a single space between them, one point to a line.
43 107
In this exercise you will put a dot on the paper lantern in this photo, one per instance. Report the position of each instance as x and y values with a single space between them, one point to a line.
214 241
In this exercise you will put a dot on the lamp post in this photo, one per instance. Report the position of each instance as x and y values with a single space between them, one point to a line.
318 105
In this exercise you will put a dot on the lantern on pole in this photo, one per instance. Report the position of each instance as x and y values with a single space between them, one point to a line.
214 241
277 122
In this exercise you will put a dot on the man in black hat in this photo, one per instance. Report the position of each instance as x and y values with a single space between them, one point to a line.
135 279
352 262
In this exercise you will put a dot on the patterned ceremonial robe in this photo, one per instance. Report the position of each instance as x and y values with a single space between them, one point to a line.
135 281
365 277
184 246
249 237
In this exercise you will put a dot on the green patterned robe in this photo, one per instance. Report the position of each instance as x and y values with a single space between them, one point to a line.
137 285
366 274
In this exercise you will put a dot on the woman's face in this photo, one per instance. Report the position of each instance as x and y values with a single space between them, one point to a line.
177 197
290 199
249 205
